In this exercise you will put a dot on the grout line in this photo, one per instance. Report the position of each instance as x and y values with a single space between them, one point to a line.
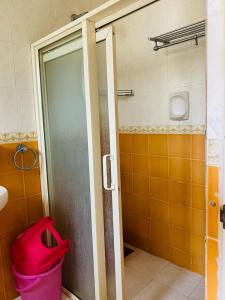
33 195
13 61
150 228
16 228
25 197
17 171
24 190
132 173
149 171
169 208
2 274
4 283
165 156
191 250
165 178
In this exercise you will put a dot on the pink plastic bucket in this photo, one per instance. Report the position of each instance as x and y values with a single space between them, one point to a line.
45 286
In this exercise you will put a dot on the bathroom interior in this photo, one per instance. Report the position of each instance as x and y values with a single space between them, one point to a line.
162 158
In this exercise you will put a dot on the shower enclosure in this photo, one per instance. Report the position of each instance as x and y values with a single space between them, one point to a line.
77 117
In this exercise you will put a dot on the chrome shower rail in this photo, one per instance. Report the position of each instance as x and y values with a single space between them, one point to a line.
181 35
125 93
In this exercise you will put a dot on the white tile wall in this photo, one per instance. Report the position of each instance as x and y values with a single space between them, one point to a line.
21 23
151 74
154 75
6 65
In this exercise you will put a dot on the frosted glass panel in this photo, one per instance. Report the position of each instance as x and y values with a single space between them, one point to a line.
105 149
68 169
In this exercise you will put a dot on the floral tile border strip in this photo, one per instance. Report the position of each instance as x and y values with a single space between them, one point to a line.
15 137
164 129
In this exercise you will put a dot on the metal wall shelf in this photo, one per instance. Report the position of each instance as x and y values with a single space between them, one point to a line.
181 35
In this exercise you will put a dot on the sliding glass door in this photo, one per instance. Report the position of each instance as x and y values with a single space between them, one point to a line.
110 164
80 159
68 166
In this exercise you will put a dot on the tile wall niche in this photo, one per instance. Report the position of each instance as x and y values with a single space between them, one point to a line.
23 209
163 196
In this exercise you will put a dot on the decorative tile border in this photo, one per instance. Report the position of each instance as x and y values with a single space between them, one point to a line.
8 138
164 129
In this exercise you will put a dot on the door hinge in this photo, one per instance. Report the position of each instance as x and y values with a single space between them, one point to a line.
222 215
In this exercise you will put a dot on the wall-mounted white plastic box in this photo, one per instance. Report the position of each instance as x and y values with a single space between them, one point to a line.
179 106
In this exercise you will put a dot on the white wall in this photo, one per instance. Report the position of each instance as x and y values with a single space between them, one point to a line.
154 75
21 23
87 5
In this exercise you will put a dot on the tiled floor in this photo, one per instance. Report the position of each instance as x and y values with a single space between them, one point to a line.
151 278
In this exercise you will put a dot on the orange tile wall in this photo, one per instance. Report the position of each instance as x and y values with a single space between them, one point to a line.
163 194
24 207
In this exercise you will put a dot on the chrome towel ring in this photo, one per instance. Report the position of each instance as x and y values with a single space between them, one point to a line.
21 148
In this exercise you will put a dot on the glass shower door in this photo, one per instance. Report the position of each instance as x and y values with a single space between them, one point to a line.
79 113
110 163
72 139
68 169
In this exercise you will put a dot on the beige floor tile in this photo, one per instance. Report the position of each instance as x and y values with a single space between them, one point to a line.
140 269
146 264
156 290
183 281
149 277
133 283
199 291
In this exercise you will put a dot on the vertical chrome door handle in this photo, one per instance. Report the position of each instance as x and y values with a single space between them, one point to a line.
105 173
